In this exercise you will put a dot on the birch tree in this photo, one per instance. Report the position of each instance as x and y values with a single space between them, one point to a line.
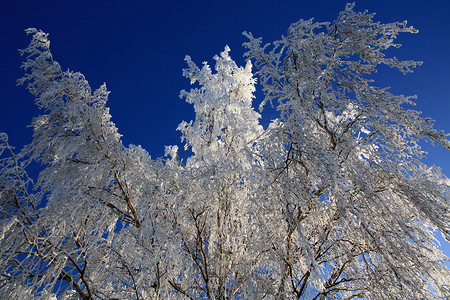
359 205
330 201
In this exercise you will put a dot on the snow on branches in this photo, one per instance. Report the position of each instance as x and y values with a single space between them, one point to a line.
331 200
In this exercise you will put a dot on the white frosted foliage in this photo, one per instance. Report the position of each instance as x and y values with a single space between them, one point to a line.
330 201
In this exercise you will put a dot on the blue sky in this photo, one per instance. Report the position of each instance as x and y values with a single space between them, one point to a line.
138 49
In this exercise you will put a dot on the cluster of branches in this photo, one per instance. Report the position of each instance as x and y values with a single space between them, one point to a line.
330 200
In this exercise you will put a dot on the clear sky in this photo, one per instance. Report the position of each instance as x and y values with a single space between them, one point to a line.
138 47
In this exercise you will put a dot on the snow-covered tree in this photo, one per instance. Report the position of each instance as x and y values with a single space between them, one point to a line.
359 206
214 191
331 200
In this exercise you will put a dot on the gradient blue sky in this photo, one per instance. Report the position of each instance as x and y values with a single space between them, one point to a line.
138 47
